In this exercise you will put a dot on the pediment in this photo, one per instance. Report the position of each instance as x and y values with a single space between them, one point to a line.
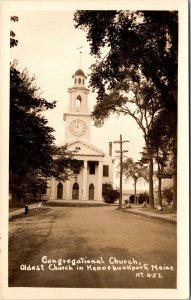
84 149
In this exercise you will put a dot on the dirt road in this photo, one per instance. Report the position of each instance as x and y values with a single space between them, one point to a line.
91 247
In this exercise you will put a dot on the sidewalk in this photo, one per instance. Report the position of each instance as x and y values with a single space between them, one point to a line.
165 214
21 211
57 203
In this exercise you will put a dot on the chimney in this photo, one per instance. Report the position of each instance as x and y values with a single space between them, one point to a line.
110 148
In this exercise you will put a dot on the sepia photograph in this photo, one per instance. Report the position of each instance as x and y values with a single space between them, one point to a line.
96 204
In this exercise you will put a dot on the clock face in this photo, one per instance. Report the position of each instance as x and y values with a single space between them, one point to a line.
78 127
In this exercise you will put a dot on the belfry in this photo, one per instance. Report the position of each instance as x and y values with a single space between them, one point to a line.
96 166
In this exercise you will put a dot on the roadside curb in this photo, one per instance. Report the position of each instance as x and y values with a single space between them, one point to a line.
74 204
156 217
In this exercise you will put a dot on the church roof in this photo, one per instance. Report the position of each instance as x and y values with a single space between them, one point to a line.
84 148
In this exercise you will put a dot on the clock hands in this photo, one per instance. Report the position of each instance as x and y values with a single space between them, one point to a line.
76 124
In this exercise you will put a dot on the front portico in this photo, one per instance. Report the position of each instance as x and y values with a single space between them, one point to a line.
85 183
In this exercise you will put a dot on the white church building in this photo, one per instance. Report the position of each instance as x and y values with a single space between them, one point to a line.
96 166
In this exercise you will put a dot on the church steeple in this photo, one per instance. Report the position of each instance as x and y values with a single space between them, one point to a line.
78 116
78 93
79 78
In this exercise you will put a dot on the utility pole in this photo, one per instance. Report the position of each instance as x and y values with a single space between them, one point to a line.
121 151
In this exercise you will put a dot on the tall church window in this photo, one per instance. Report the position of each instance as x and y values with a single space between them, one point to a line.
105 171
92 168
91 191
79 80
75 81
75 191
60 191
83 81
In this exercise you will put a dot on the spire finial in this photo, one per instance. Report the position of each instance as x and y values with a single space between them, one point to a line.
80 55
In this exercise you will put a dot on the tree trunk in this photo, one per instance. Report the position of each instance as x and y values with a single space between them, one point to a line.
159 192
135 190
151 195
160 170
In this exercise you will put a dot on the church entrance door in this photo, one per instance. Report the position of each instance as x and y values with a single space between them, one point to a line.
60 191
75 191
91 191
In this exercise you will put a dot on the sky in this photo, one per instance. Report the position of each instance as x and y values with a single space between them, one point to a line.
48 47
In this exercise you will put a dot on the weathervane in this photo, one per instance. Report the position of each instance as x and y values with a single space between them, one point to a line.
80 55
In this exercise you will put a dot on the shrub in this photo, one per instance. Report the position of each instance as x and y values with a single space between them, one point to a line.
143 197
110 195
132 199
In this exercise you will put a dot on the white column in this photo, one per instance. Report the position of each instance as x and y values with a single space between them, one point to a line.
84 181
99 181
52 188
68 186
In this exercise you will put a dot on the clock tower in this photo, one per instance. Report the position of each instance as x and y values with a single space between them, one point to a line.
95 167
78 117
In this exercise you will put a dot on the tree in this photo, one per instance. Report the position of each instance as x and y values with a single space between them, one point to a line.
141 44
162 142
134 170
162 138
13 40
146 40
33 156
140 105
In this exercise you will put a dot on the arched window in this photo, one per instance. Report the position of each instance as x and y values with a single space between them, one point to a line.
91 191
75 191
75 81
79 80
83 81
78 103
60 191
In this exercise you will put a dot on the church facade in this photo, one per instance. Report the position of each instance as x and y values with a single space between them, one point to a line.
96 166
